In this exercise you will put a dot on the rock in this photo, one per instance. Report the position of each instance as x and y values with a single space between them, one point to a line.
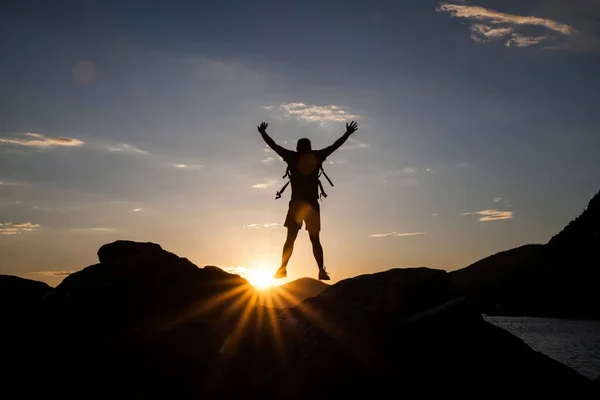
142 319
153 325
123 249
16 291
18 298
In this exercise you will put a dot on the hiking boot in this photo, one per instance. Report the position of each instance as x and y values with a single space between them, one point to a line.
281 273
323 275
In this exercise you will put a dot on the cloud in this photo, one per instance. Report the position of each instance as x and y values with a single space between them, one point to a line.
52 273
497 199
126 148
187 166
268 107
10 202
379 235
268 160
238 270
15 228
94 229
491 215
487 25
519 40
464 165
137 209
256 226
42 141
235 270
265 185
352 144
9 183
330 113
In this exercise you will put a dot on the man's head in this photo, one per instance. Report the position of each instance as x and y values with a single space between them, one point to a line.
303 146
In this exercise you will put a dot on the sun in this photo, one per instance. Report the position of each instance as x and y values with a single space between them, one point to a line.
260 278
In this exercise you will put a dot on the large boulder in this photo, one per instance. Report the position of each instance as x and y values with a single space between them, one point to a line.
18 299
143 319
122 250
16 291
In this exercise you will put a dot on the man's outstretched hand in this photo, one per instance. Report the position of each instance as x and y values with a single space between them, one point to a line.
262 128
351 128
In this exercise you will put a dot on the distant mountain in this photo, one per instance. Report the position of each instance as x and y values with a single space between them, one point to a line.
292 293
559 279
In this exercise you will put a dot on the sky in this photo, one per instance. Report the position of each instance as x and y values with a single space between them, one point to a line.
478 129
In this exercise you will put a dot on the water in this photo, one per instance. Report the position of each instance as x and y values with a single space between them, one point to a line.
571 342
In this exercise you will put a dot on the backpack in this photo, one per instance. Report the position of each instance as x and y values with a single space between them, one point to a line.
287 174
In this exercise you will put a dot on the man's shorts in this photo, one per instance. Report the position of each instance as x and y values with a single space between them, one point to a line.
303 211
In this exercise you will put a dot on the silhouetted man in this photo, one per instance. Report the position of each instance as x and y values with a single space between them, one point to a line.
304 165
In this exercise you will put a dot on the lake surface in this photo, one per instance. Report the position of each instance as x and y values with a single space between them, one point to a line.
571 342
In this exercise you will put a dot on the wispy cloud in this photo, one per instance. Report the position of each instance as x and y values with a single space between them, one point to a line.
464 165
268 160
10 183
491 215
244 272
269 225
498 199
126 148
94 229
487 25
265 185
15 228
41 141
52 273
137 209
268 107
10 202
329 113
352 144
187 166
380 235
236 270
408 170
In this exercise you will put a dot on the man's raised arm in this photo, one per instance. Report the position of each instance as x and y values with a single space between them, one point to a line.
350 129
262 129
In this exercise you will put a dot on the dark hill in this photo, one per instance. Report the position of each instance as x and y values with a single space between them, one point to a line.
559 279
20 291
147 324
19 298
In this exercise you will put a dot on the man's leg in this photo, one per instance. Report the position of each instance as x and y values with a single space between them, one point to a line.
317 248
318 253
288 247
